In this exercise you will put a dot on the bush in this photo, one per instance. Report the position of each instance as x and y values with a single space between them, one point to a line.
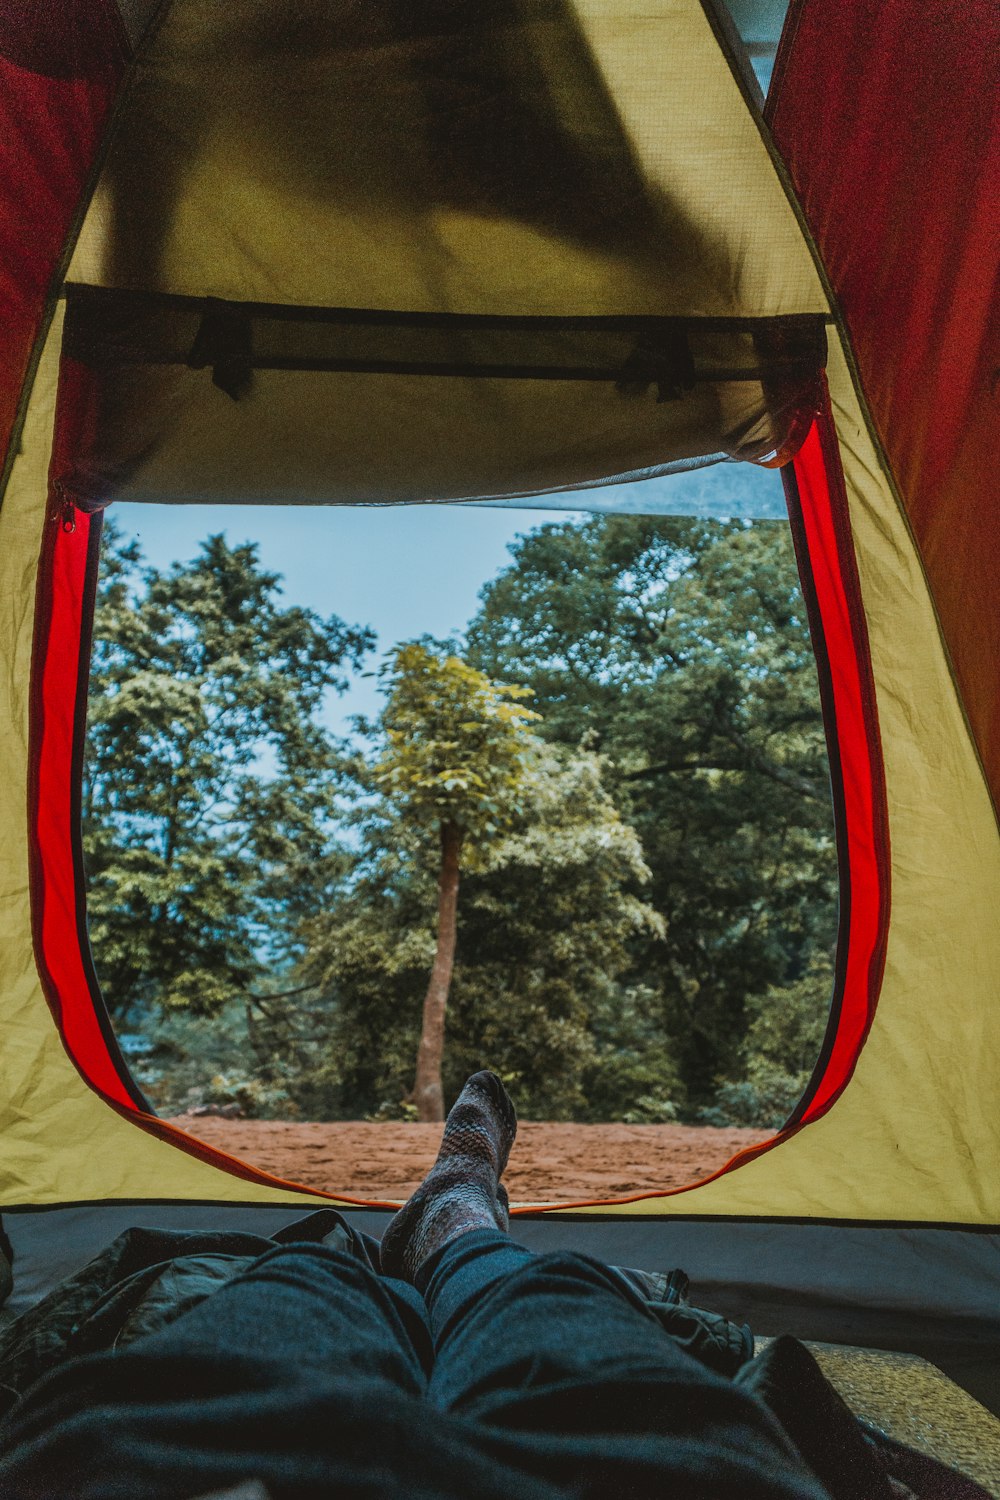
762 1102
175 1055
782 1044
649 1110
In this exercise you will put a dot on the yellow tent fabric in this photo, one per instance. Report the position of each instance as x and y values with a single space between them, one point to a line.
62 1143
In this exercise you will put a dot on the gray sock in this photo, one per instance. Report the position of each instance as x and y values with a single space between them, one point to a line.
462 1190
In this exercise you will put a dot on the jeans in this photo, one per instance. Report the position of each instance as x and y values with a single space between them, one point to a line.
504 1373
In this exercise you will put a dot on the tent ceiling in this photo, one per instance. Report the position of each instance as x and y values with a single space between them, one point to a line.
507 162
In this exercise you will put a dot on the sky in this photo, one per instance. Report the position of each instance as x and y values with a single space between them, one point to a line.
404 570
411 570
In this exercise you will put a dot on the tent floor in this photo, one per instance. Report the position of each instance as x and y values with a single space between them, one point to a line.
916 1403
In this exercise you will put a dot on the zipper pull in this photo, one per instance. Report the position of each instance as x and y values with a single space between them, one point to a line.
65 509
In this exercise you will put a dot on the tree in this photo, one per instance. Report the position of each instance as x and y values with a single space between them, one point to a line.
550 913
549 908
456 752
679 649
210 787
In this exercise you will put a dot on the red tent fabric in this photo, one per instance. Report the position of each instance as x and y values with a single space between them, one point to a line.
887 115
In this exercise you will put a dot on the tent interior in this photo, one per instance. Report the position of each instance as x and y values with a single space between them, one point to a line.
293 255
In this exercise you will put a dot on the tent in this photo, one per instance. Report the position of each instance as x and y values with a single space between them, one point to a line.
318 253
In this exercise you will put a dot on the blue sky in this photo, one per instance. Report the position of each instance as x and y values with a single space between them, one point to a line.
402 570
406 570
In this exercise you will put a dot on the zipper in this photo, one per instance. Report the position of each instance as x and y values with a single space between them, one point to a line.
65 508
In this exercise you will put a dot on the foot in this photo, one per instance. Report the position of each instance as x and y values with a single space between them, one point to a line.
462 1190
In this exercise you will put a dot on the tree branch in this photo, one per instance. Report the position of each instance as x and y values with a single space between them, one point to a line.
277 994
780 774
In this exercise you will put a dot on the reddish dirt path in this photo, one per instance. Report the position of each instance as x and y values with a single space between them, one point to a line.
549 1162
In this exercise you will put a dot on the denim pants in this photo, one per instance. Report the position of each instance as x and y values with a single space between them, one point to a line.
504 1373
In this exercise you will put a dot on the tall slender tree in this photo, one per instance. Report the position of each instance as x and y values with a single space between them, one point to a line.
457 751
549 909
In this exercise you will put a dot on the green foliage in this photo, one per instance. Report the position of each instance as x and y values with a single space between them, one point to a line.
782 1045
634 1076
176 1056
545 932
679 649
210 795
649 880
455 743
545 921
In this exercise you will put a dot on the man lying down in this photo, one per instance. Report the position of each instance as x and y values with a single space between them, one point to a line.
451 1363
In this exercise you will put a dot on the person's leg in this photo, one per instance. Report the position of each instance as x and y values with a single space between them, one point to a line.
276 1376
559 1350
560 1354
462 1191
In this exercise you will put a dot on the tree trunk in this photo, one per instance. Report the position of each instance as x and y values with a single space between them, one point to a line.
428 1094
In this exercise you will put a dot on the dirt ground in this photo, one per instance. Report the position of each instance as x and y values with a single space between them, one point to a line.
549 1162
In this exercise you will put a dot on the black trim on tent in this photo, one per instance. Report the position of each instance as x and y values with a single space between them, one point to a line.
138 302
528 1216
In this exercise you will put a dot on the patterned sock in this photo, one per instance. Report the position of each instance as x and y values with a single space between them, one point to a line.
462 1190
